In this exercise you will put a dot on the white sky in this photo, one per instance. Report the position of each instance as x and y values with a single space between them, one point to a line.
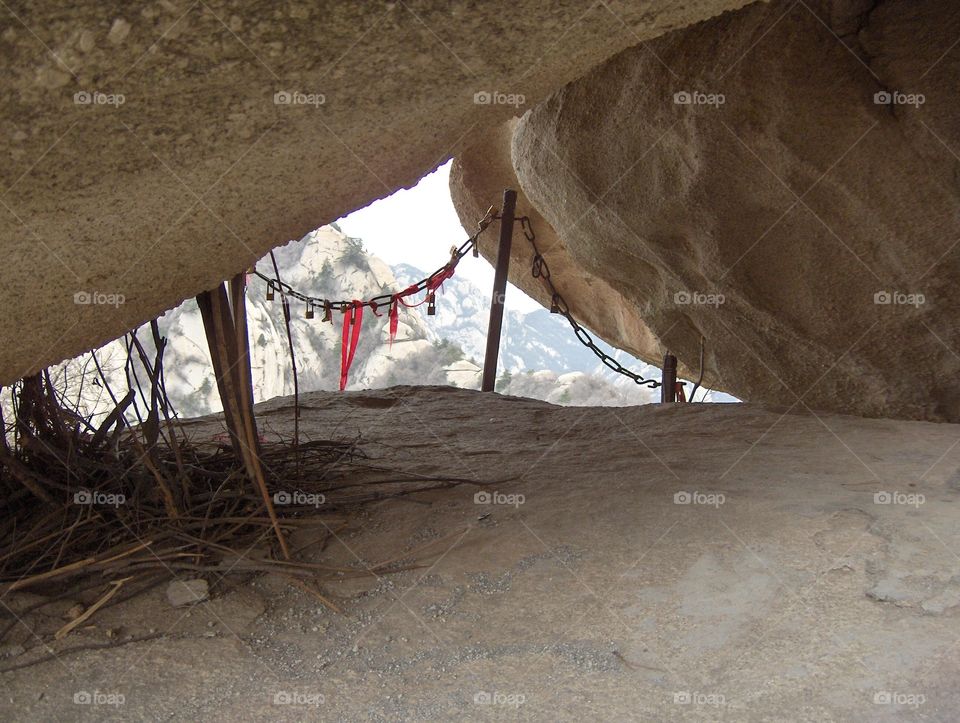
418 226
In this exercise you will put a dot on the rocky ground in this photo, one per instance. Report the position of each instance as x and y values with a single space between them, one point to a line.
714 562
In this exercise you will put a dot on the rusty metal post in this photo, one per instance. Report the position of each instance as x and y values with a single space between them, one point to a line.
668 389
499 290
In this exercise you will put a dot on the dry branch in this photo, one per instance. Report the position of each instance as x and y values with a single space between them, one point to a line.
90 505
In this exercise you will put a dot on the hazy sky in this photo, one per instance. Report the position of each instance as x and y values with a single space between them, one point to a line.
418 226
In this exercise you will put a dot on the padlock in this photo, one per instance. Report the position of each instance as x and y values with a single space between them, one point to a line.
431 304
269 291
554 306
327 312
309 313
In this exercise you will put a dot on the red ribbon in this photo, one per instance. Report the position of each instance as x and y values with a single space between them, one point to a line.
394 318
409 291
354 318
434 283
352 321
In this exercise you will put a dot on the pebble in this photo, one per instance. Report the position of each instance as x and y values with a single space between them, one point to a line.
52 78
118 31
86 42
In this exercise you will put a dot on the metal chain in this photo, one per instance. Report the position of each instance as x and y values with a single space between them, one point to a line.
559 305
540 271
456 254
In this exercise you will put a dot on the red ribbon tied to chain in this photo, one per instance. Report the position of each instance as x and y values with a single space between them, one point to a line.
353 318
352 321
435 282
394 318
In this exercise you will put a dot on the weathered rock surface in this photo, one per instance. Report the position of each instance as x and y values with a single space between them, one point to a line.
153 149
800 199
732 557
479 174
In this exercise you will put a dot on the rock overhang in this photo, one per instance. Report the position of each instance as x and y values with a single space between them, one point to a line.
158 148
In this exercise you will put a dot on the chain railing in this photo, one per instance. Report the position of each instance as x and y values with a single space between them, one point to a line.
430 282
540 270
558 305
